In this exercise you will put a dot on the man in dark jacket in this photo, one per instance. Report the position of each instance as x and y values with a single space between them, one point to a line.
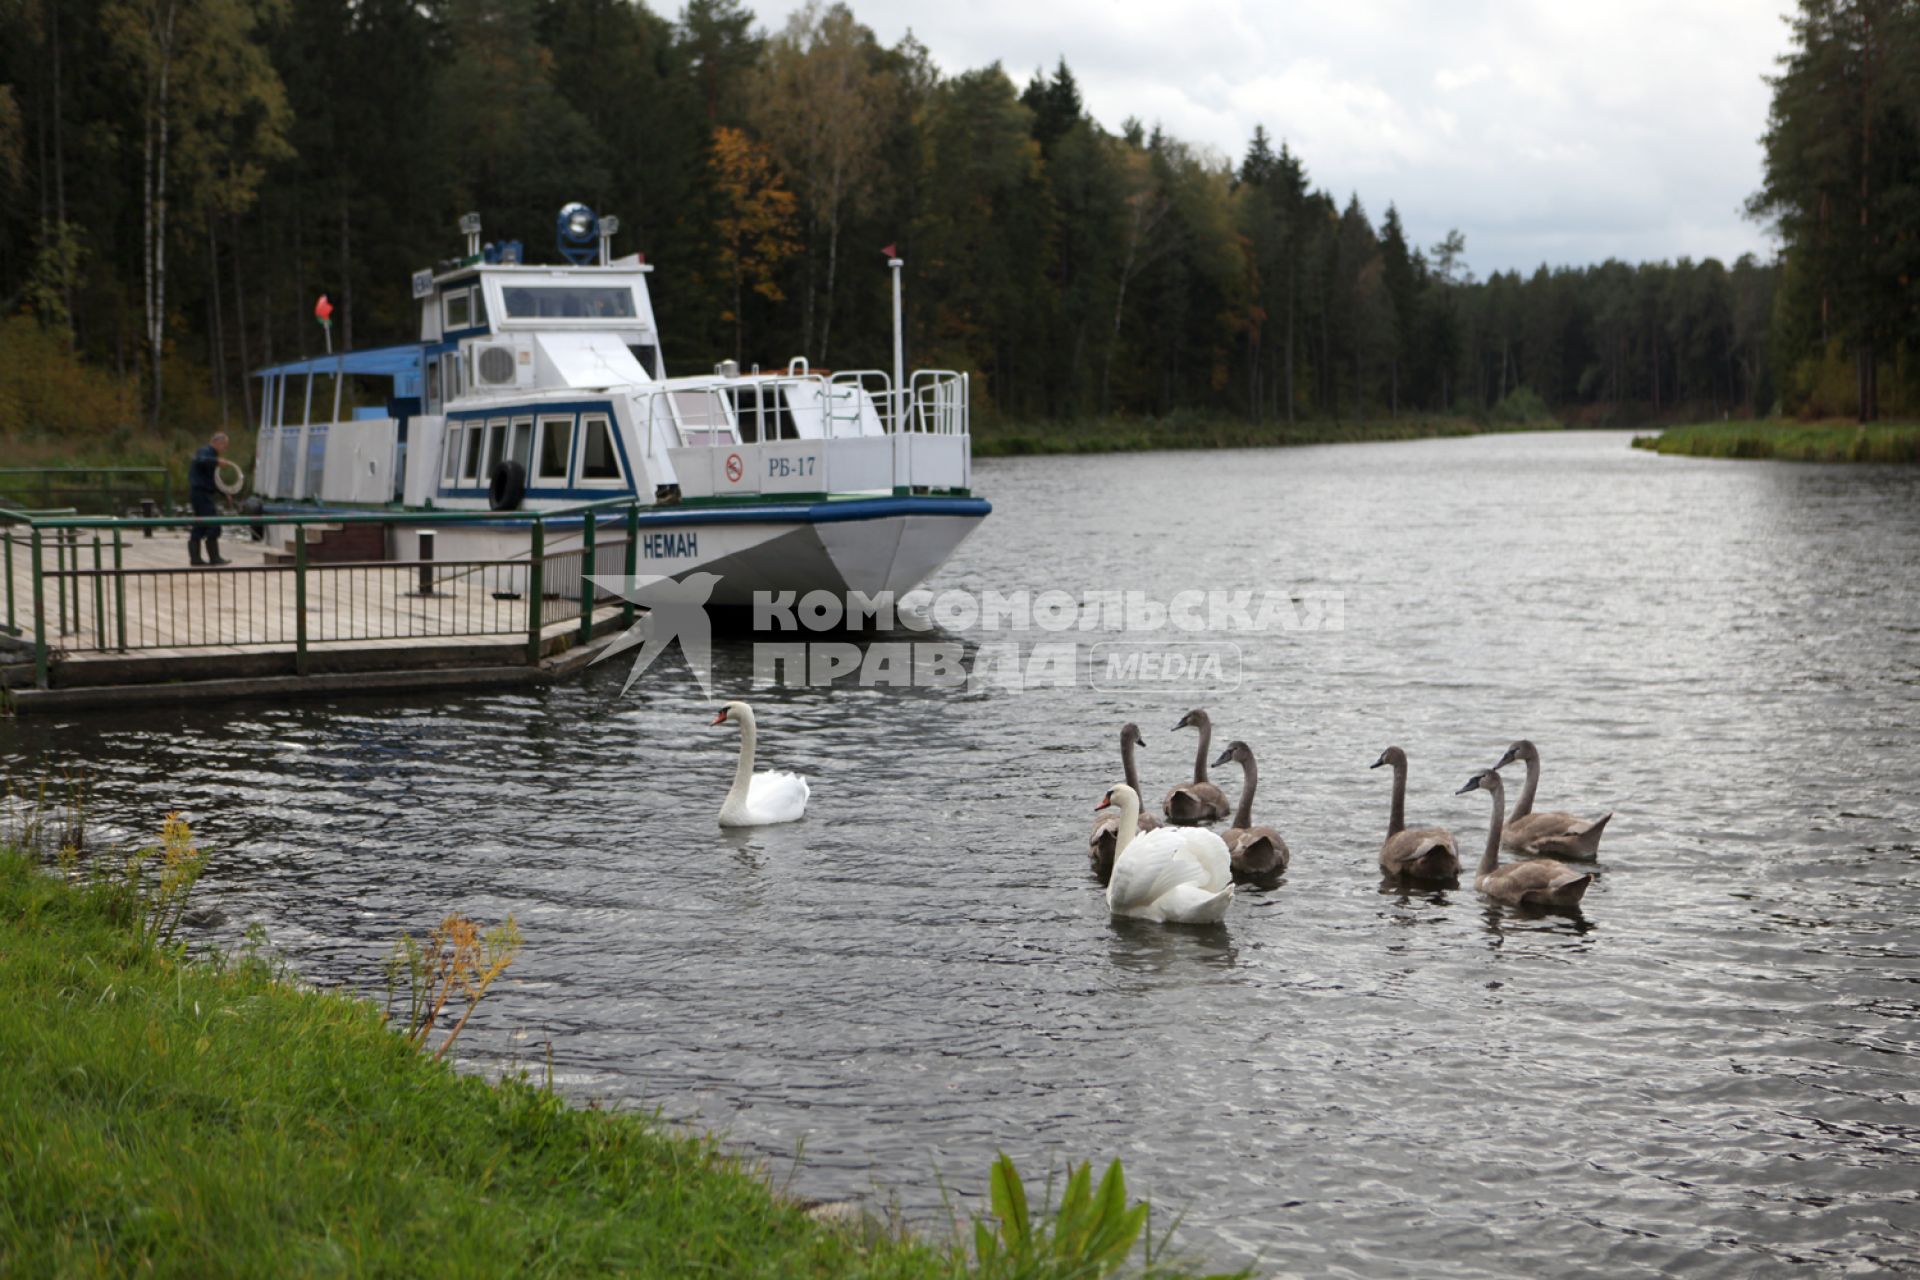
201 492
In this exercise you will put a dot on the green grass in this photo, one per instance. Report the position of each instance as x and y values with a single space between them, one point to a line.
174 1117
997 438
1791 441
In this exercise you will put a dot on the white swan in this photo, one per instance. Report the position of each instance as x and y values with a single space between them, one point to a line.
758 799
1182 875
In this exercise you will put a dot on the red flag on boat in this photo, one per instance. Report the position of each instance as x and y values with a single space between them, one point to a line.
323 310
890 250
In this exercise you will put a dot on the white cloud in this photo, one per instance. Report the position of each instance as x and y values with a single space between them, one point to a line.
1571 131
1449 81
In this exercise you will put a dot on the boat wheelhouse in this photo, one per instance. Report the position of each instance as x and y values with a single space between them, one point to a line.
536 387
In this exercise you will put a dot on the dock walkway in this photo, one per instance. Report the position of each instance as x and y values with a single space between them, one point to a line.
154 628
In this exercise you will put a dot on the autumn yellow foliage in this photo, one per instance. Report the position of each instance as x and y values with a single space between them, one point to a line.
46 389
756 222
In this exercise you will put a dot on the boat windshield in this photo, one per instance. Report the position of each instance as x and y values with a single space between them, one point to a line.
568 302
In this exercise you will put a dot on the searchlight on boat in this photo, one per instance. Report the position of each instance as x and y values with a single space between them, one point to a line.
575 233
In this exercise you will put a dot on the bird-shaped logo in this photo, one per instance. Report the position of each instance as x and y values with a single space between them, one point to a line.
676 610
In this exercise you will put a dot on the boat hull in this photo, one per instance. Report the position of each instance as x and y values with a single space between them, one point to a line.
760 551
864 545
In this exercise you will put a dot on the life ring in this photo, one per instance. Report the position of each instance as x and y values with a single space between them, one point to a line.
231 487
508 488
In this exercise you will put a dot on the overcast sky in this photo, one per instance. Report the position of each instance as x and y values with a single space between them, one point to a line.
1564 131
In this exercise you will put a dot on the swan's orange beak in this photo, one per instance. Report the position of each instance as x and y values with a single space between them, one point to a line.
719 719
1105 801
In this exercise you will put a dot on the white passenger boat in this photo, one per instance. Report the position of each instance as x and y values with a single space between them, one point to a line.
542 387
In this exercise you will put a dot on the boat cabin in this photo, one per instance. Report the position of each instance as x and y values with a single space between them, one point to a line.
540 386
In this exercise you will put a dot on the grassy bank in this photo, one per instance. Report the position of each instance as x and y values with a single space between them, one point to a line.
167 1116
122 447
1791 441
995 438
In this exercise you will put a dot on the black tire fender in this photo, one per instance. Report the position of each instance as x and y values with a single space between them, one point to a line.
508 488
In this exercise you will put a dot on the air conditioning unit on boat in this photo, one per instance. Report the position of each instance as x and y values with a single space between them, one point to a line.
495 366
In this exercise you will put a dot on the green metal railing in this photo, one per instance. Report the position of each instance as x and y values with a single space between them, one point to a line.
85 598
15 543
94 489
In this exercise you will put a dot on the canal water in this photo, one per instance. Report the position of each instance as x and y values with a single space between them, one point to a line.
1714 1067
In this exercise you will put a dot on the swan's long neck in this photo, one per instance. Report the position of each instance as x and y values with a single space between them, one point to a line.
1243 813
1129 821
743 771
1126 762
1524 805
1200 757
1397 820
1491 858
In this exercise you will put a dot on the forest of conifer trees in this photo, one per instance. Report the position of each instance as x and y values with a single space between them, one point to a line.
179 179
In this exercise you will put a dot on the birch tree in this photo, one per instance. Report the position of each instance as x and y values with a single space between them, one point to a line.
199 71
821 105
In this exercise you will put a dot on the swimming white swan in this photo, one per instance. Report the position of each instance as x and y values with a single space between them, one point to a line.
758 799
1182 875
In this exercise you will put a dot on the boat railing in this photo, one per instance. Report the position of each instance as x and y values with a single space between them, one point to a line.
934 400
750 410
939 401
877 386
851 432
81 586
761 410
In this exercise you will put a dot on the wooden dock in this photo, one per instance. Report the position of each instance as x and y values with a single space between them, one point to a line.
152 628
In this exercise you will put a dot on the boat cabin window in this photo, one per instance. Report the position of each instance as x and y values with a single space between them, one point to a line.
496 446
568 302
522 444
457 310
470 463
648 355
598 460
432 384
450 469
556 443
